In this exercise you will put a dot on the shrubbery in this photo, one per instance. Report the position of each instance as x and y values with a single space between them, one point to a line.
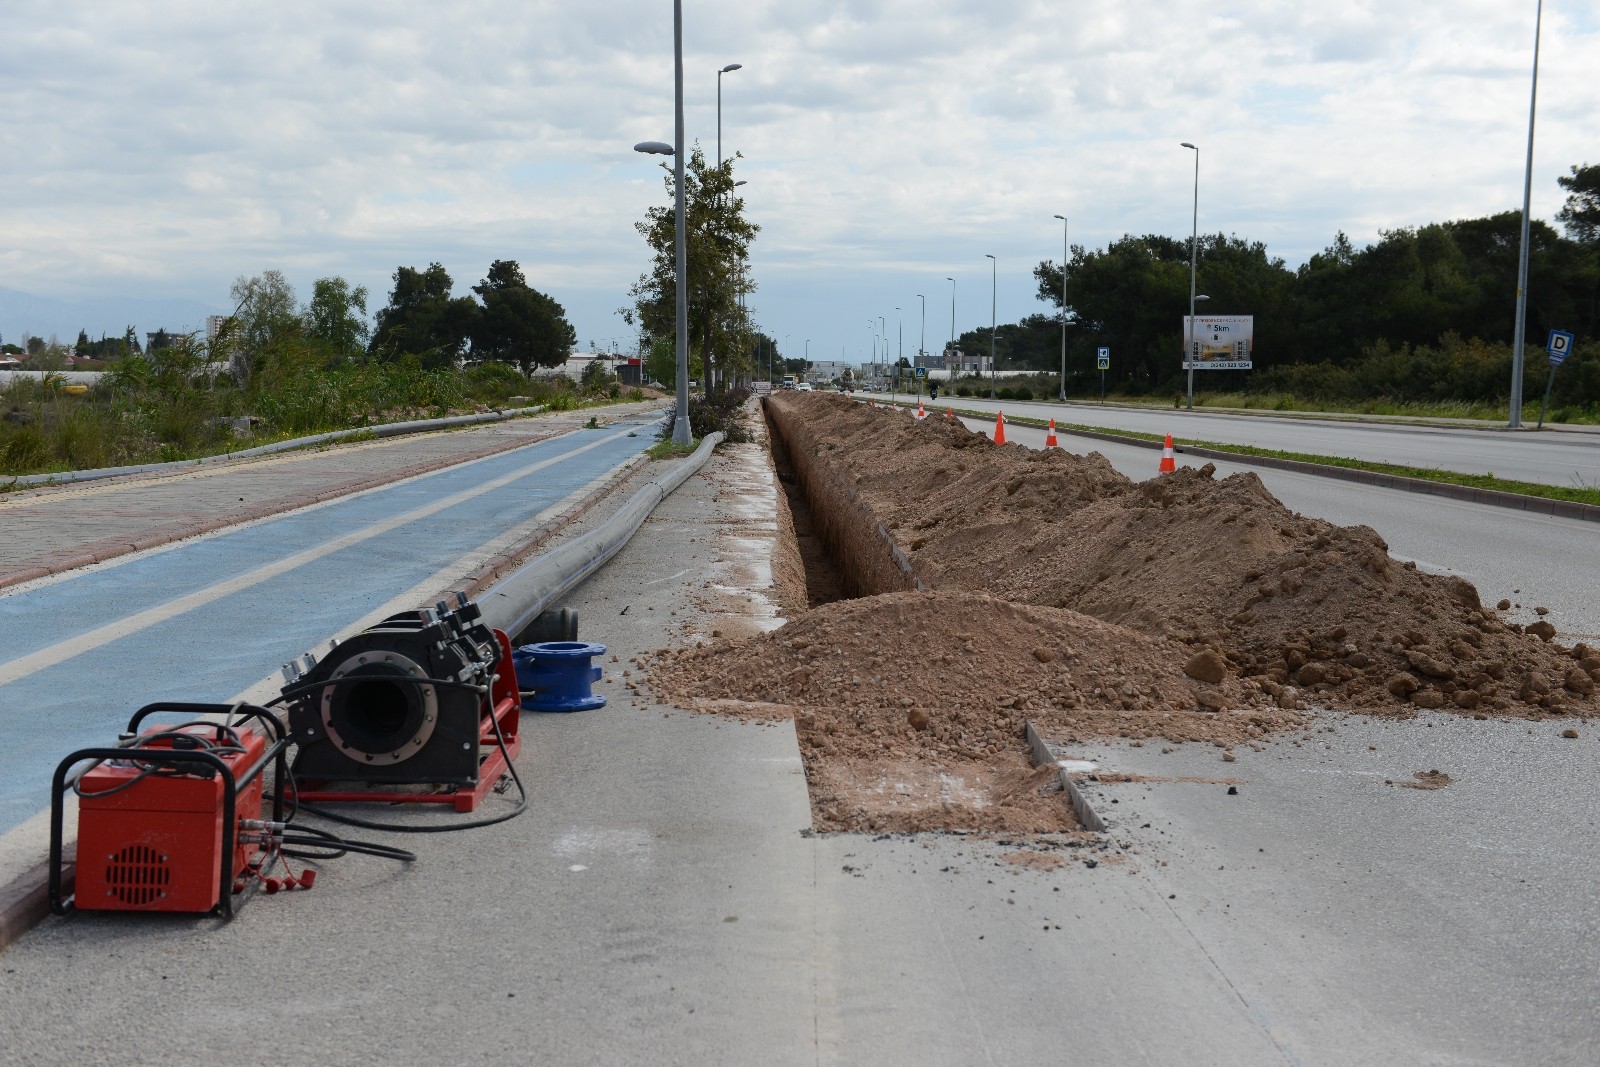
719 411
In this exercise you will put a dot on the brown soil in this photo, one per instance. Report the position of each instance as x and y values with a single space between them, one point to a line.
1423 780
1311 611
909 707
1184 608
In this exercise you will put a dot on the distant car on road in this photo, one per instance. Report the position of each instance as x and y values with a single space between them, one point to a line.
805 387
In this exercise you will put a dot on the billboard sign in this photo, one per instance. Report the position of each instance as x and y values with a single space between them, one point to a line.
1221 342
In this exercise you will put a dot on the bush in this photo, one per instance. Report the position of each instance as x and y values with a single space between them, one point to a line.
720 411
1023 393
962 390
1005 392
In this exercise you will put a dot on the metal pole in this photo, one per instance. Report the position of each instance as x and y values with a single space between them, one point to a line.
1522 260
952 344
1194 251
680 422
922 345
994 283
1063 396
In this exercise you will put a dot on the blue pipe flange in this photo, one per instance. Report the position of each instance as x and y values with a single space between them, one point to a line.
556 675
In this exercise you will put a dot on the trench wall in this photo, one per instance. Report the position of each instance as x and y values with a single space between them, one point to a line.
868 560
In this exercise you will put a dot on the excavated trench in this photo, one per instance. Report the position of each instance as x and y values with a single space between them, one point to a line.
880 754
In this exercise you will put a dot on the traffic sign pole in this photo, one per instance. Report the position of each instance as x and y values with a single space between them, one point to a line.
1558 346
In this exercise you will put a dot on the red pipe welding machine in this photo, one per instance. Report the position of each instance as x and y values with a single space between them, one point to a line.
171 818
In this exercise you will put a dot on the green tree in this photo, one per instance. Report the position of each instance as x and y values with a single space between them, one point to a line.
82 347
336 317
264 323
718 239
518 324
422 318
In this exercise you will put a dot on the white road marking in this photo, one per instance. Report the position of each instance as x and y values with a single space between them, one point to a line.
112 631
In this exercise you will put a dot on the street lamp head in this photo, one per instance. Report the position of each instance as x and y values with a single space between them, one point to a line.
657 148
737 184
987 256
1186 144
1063 218
1201 296
730 68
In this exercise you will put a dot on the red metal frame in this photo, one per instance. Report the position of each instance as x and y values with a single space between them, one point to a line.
491 767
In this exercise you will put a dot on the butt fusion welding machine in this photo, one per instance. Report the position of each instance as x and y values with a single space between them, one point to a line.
421 708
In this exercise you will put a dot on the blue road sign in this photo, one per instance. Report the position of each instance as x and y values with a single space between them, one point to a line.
1103 358
1559 346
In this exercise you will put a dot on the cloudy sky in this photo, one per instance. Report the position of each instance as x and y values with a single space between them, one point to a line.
158 150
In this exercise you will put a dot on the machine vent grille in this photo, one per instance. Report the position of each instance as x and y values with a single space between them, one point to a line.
138 875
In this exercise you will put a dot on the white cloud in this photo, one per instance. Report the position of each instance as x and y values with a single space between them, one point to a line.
162 149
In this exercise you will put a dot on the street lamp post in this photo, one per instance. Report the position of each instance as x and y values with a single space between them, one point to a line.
1063 395
922 342
994 282
952 344
1194 251
1515 422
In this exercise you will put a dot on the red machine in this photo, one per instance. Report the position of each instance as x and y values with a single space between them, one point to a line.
172 819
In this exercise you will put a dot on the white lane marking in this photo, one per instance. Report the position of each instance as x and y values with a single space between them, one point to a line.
669 578
111 631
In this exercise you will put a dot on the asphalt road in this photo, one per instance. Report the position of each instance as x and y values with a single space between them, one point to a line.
664 902
1570 458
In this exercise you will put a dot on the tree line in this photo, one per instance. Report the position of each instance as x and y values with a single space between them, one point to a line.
1424 312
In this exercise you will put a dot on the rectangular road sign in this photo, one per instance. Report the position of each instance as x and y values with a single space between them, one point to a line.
1102 357
1559 346
922 372
1220 342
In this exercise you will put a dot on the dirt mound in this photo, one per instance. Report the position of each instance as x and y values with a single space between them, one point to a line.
1308 610
910 706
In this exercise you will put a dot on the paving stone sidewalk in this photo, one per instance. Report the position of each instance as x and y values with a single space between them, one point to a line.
54 529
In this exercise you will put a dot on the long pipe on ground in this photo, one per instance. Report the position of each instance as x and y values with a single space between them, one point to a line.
513 603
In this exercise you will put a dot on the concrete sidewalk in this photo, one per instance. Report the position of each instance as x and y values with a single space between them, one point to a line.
60 528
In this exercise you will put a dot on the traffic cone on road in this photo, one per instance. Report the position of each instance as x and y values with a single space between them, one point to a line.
949 413
920 413
1050 438
1169 460
1000 428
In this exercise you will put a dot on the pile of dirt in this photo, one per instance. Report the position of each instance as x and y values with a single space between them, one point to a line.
1308 611
910 706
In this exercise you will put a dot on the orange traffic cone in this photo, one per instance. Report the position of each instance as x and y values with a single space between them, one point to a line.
949 413
920 413
1000 428
1050 438
1169 461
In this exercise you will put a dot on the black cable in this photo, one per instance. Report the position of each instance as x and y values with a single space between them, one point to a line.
310 835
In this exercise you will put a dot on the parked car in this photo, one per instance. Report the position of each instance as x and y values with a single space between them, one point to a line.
805 387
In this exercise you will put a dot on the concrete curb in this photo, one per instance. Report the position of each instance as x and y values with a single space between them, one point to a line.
25 902
1565 509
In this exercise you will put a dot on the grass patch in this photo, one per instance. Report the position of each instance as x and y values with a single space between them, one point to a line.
668 450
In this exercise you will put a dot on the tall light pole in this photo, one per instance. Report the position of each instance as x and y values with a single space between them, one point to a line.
952 282
994 283
1063 396
1194 251
922 344
901 343
1515 422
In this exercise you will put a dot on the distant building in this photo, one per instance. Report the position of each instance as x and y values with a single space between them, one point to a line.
826 370
959 362
214 324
